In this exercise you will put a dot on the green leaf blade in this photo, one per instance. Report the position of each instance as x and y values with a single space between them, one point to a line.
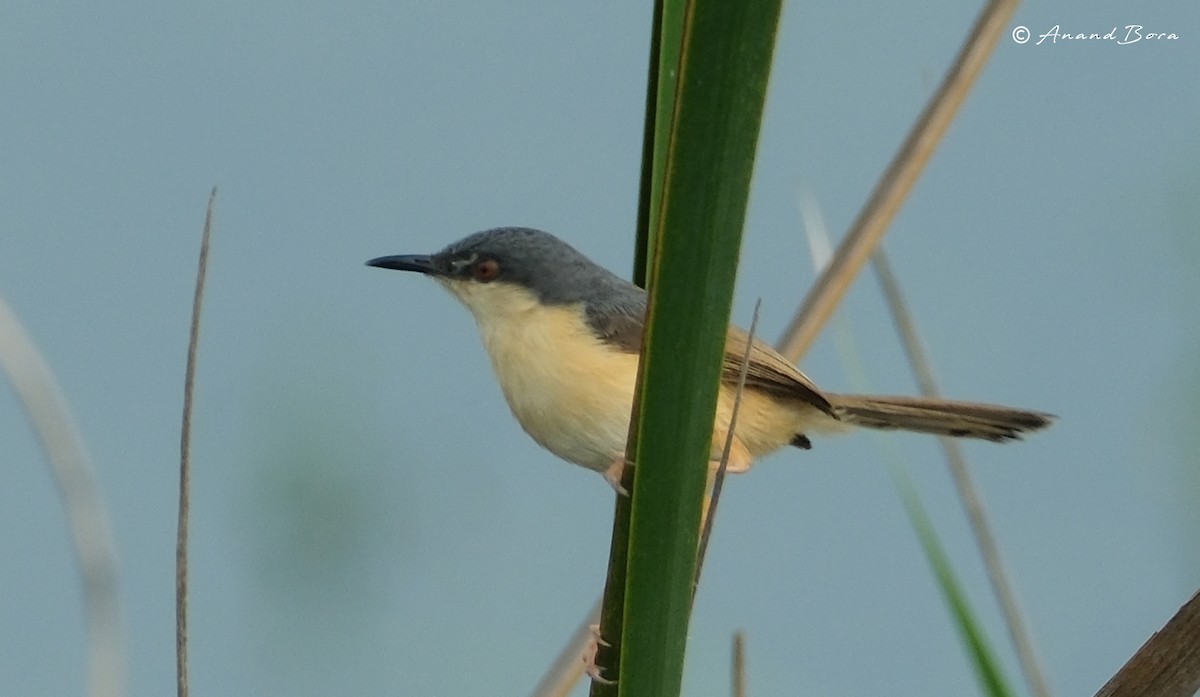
697 209
983 656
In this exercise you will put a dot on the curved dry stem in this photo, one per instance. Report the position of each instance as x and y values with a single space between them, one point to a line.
87 517
185 461
896 183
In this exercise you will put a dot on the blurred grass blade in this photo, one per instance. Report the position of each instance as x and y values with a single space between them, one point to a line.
87 519
724 55
964 483
987 667
897 181
738 688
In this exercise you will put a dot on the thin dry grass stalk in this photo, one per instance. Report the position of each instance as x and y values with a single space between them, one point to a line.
964 484
896 183
87 518
718 477
185 461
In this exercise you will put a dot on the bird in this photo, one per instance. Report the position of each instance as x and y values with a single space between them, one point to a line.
564 337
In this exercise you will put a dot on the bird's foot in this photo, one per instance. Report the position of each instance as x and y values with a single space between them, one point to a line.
589 657
615 472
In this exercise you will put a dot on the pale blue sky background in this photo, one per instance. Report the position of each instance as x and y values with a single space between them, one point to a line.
369 519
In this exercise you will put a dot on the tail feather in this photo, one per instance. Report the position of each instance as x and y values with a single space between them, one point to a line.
938 416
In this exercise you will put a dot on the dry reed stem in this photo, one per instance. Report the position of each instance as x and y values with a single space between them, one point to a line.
185 461
1168 664
896 183
964 484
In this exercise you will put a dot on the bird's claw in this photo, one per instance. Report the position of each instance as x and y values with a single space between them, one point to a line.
589 656
614 473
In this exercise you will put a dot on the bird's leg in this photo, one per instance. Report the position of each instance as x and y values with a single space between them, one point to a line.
615 472
589 656
740 458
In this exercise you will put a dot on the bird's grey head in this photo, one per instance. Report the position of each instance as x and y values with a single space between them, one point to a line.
536 261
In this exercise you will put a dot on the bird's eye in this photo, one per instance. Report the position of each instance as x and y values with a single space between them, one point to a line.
485 270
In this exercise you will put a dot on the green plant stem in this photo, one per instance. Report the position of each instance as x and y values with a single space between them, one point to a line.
721 74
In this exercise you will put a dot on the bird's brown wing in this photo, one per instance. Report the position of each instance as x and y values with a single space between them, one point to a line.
769 372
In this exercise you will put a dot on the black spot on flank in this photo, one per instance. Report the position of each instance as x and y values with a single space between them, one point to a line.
801 441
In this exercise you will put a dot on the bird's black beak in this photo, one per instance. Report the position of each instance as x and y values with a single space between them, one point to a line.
421 263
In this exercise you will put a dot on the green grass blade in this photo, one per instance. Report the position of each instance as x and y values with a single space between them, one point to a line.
653 142
612 603
987 666
710 100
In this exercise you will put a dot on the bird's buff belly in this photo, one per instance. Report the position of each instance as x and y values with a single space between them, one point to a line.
572 394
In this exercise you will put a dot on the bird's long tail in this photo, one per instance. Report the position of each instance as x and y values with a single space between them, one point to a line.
938 416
